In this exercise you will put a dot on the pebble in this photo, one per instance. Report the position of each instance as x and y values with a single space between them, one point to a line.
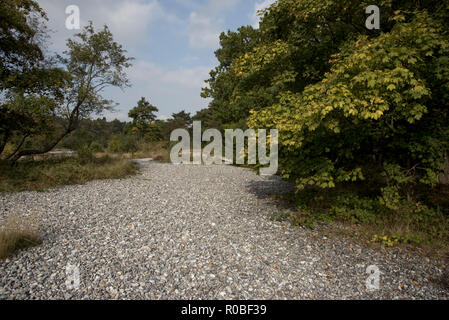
194 232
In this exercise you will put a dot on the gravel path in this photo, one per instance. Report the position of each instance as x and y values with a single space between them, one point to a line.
194 232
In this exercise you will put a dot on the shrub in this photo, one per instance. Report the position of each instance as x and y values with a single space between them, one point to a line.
96 147
406 222
123 144
85 154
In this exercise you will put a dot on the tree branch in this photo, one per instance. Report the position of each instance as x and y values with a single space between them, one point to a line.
19 146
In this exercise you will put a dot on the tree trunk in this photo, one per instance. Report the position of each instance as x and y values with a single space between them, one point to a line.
3 142
71 126
45 149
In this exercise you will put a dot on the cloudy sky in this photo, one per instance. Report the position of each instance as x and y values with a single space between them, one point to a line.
173 42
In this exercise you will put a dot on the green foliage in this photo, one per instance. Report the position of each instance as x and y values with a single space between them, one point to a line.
96 147
144 120
377 103
30 82
93 61
180 120
85 155
123 143
410 222
354 107
224 84
97 132
20 52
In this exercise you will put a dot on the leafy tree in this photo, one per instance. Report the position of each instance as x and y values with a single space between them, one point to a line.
20 50
144 120
122 143
382 105
95 61
144 114
207 118
180 120
352 105
30 83
222 82
90 132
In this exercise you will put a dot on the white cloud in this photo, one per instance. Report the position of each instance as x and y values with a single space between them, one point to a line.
215 7
205 25
128 20
163 117
203 32
258 6
188 78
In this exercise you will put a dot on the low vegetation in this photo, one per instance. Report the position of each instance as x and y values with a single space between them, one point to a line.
41 175
423 224
158 151
17 233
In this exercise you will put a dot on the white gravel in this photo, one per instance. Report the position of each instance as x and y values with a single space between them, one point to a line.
194 232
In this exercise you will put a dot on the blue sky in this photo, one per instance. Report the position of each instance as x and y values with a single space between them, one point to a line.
173 42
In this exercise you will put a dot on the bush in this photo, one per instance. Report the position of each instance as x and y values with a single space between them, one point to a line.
123 144
85 154
96 147
409 222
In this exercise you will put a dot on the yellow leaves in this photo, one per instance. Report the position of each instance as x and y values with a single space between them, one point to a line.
371 83
378 114
391 87
398 16
260 57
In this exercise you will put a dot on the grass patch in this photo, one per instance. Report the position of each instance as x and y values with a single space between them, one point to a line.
42 175
158 151
17 233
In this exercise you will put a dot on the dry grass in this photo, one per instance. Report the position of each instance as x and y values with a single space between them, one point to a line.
17 233
42 175
158 151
